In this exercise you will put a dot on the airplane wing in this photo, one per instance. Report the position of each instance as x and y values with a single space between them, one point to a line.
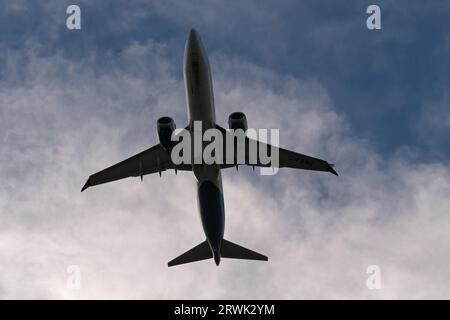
287 158
152 160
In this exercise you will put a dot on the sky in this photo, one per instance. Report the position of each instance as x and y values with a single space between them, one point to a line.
374 102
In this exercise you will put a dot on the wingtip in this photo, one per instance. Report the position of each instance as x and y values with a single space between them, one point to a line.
86 185
172 263
331 169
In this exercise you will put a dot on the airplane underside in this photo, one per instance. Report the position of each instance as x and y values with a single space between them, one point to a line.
200 103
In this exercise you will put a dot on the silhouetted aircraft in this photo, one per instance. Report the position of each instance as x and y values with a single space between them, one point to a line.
200 101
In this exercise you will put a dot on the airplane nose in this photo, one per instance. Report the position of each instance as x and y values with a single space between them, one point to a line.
193 37
193 33
194 44
195 60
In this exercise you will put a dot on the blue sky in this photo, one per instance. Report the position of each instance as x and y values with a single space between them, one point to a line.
382 81
373 102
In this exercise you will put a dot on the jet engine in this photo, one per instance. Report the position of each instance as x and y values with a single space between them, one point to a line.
237 120
165 127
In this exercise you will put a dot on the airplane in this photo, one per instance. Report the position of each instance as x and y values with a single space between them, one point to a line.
200 104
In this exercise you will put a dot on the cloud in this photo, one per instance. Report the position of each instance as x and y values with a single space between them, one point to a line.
433 125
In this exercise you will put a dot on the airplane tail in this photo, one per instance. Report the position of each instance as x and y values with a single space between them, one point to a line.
228 250
197 253
234 251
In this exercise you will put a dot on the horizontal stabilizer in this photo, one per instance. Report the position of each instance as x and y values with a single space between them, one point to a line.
200 252
234 251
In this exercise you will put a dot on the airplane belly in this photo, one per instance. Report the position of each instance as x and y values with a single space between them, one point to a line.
200 99
200 104
212 212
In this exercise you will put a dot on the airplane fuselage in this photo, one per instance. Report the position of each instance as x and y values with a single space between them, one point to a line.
200 103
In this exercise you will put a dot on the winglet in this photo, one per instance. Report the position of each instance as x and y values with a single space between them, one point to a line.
331 169
86 185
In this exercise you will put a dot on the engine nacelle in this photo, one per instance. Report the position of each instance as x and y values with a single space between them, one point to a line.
237 120
165 127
